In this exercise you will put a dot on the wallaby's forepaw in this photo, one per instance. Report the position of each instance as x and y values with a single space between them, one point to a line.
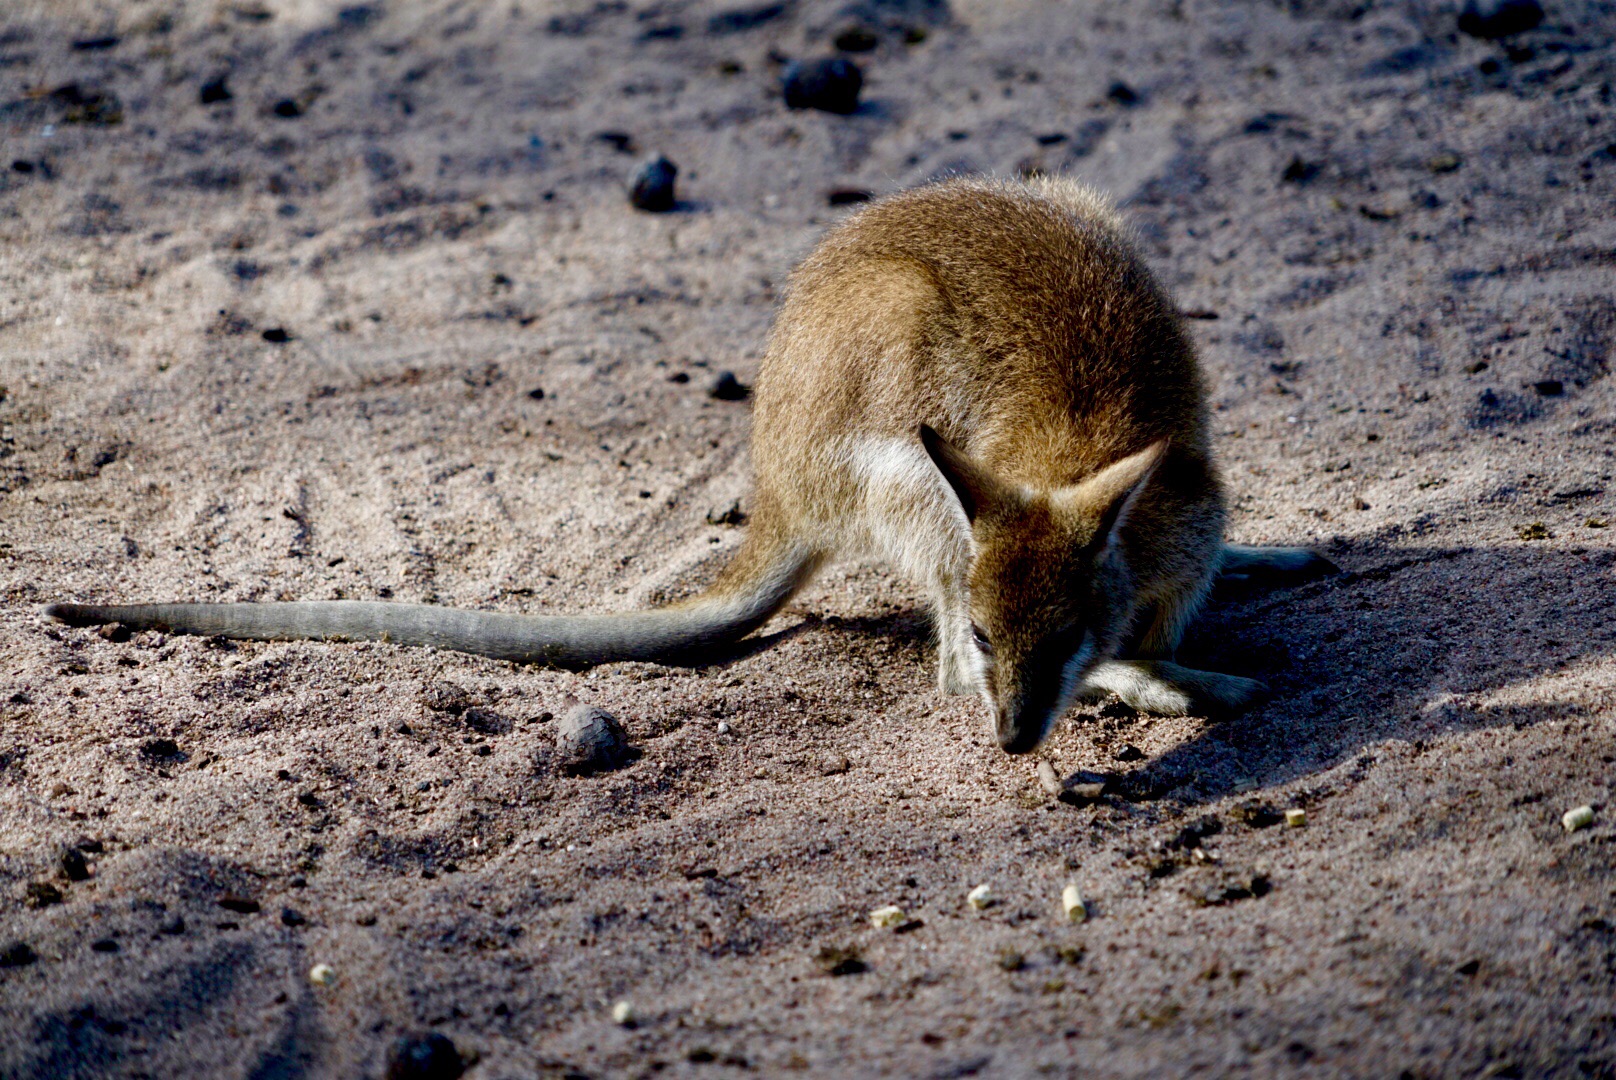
1163 688
1273 565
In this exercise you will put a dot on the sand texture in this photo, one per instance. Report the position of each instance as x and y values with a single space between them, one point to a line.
289 342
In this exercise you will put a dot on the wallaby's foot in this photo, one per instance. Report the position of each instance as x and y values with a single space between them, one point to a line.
1277 565
1163 688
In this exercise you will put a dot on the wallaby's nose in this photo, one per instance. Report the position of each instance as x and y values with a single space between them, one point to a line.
1018 735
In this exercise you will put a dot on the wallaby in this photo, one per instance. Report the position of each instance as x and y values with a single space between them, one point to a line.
979 382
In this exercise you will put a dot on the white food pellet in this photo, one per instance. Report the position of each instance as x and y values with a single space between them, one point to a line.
1072 902
979 897
1580 818
322 975
723 728
884 918
1296 817
623 1013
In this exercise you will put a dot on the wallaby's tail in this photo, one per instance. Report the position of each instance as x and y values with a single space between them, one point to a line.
1238 560
763 575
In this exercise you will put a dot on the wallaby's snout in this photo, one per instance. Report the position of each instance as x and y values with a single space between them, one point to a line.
1018 732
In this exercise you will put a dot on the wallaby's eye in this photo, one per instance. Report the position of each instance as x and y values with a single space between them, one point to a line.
981 638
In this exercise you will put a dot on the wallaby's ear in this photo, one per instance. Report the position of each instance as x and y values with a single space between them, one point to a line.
973 485
1112 491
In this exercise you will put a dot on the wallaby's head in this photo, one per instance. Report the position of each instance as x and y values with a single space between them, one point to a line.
1051 594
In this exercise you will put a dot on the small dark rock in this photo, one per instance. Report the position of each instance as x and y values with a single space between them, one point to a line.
856 39
107 945
651 187
96 44
24 167
43 894
621 141
486 721
729 515
841 960
830 85
308 798
173 927
739 20
90 845
424 1056
1549 387
1010 960
159 749
590 740
446 697
287 109
17 954
1493 19
242 905
215 90
1256 815
1053 138
1128 752
1469 967
292 917
700 1055
1227 887
847 197
1121 93
728 388
679 377
537 393
1299 171
275 335
74 865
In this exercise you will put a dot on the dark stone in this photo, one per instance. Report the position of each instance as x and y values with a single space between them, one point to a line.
1121 93
20 166
1299 171
651 187
537 393
446 697
159 748
856 39
216 90
728 388
173 927
43 894
17 954
486 721
292 917
590 740
679 377
1549 387
309 799
847 197
96 44
424 1056
106 945
287 109
1128 752
242 905
831 84
75 866
837 960
1494 19
621 141
1256 815
740 20
276 336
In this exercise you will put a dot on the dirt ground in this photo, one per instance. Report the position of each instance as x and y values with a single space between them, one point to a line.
283 335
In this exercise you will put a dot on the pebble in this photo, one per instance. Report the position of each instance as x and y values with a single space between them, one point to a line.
17 954
215 90
590 740
105 945
728 388
74 865
1121 93
1228 887
426 1056
840 960
980 897
445 697
1580 818
1295 817
831 84
1073 904
623 1014
651 186
834 764
730 515
1128 752
723 728
888 917
1493 19
241 905
292 917
42 894
322 975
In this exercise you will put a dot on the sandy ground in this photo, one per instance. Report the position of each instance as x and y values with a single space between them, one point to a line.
1404 235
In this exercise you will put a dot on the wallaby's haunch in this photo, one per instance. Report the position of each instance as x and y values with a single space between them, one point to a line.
980 383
